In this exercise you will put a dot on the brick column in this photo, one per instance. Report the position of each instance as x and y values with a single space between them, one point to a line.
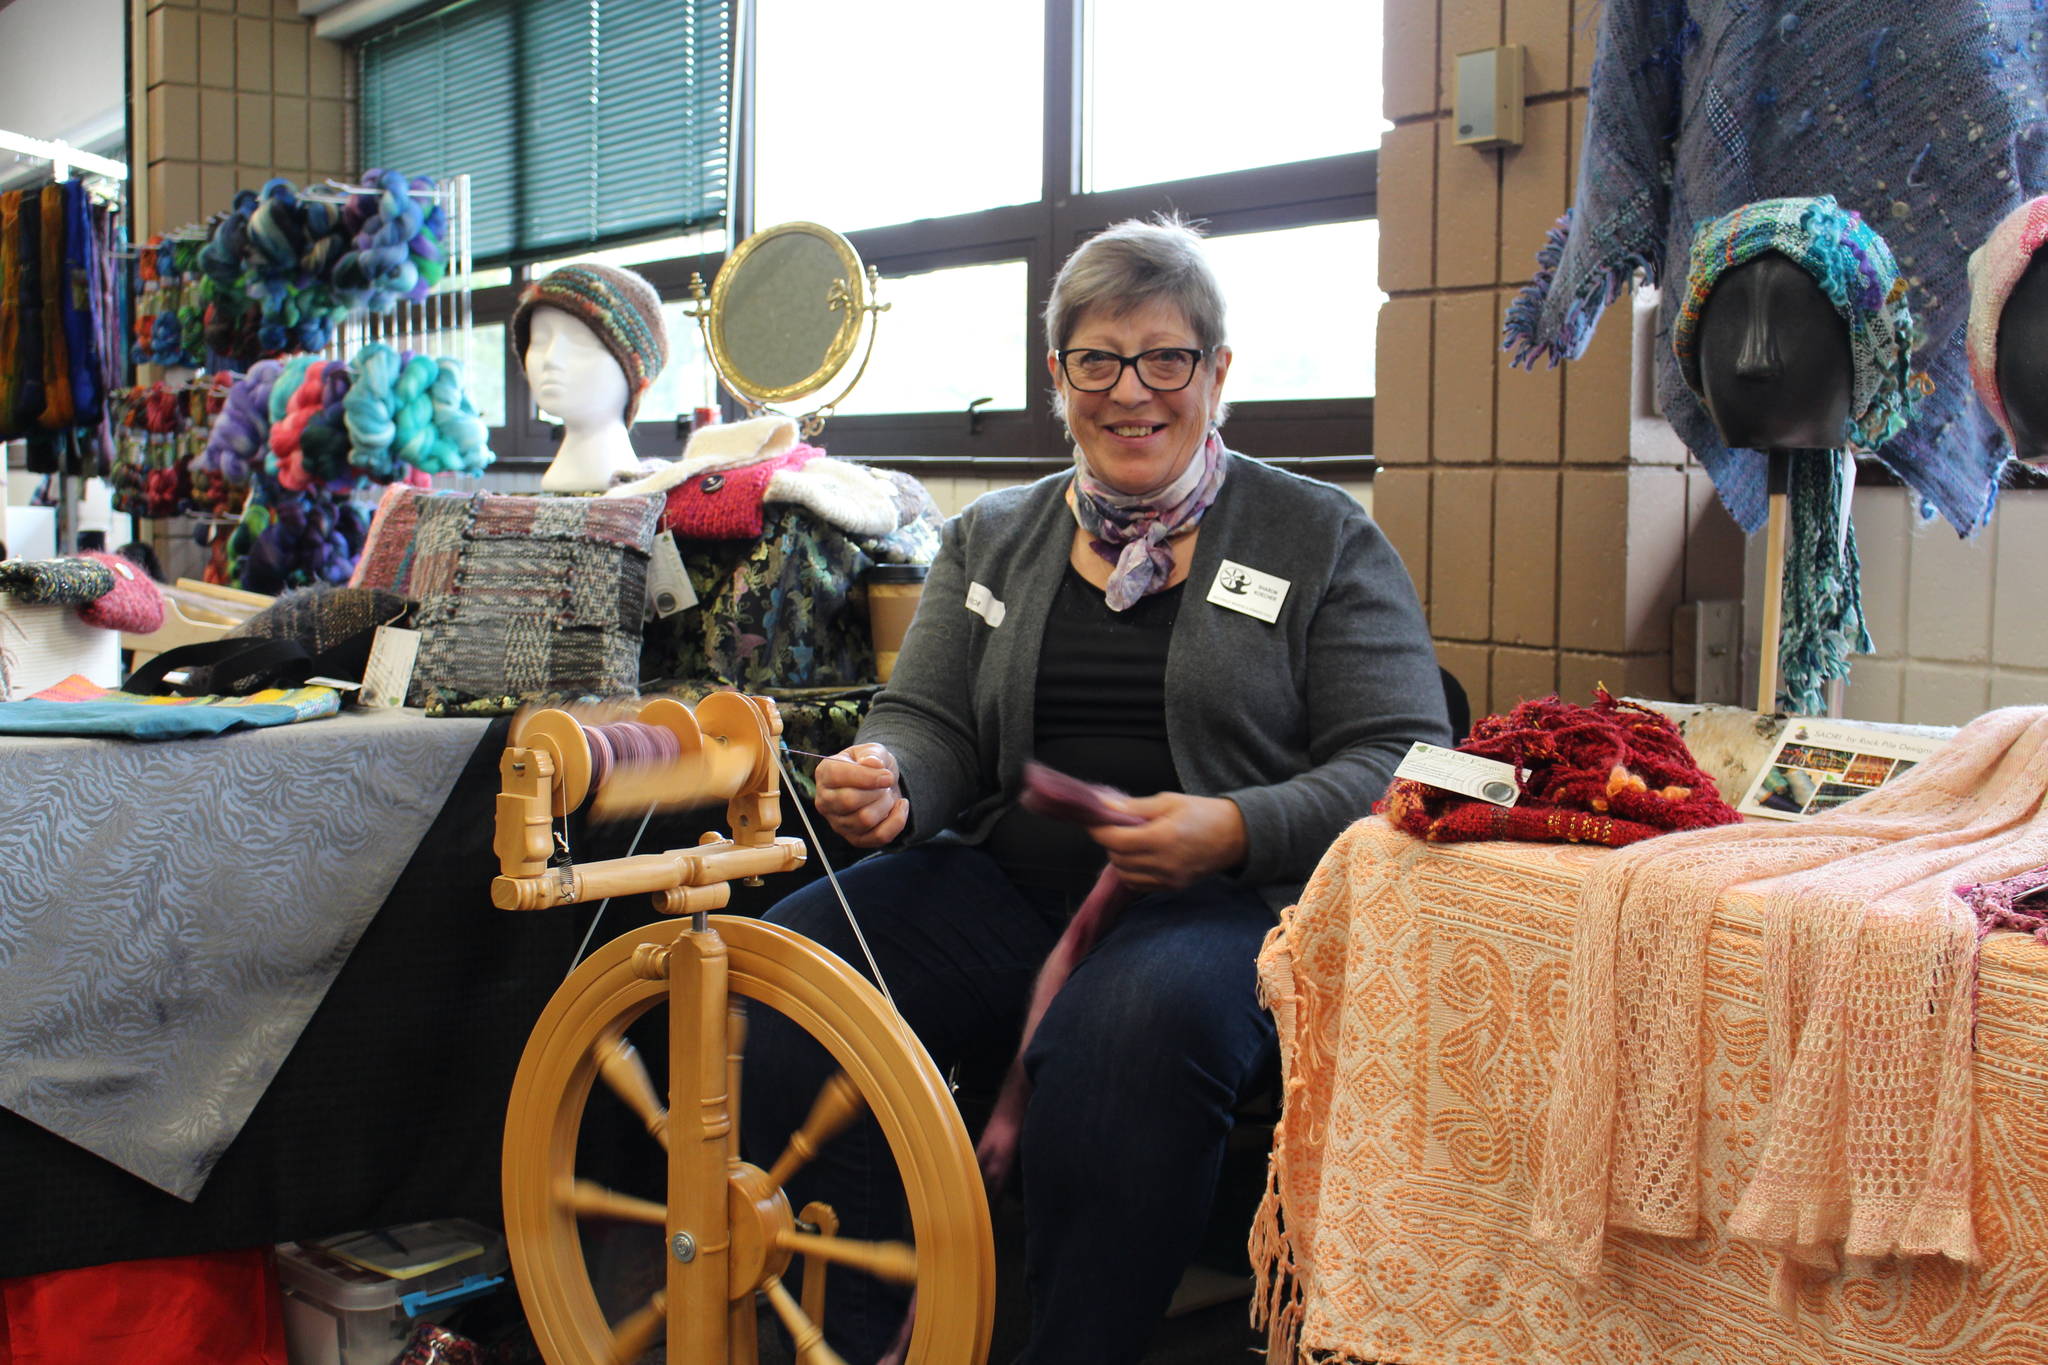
233 93
1551 520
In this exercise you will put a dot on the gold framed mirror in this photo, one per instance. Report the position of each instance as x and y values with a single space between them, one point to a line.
785 315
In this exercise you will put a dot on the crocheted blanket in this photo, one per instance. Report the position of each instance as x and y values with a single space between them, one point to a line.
1925 118
1419 990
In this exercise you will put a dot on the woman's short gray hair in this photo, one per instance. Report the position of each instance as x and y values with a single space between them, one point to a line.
1132 264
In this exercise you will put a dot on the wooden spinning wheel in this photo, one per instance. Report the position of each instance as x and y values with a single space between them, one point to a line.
728 1230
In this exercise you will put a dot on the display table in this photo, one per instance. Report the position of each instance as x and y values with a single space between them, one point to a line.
400 1028
1419 990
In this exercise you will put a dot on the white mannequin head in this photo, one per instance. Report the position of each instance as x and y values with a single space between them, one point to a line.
573 377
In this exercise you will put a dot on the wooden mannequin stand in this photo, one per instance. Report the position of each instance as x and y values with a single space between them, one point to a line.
1780 483
728 1230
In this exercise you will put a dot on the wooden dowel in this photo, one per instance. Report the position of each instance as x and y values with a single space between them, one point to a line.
1774 585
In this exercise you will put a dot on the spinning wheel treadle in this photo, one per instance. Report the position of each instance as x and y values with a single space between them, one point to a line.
728 1230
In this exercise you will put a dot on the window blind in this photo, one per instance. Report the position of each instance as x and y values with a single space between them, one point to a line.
579 122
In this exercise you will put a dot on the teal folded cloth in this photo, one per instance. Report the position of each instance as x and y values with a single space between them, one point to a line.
78 707
56 582
126 720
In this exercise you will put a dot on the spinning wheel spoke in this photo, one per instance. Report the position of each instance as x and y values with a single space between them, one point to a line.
619 1064
838 1104
591 1199
808 1336
640 1330
821 1220
895 1261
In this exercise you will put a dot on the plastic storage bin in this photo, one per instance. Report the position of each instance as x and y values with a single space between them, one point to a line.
352 1300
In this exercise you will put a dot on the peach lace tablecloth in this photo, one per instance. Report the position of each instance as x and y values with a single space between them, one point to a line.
1419 989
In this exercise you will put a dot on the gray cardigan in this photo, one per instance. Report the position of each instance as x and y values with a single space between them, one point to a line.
1300 722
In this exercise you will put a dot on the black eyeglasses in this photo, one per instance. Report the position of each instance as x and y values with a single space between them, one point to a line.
1164 369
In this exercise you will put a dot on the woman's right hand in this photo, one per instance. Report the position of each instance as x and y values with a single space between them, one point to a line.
859 795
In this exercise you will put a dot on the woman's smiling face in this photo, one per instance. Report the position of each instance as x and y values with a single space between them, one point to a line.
1136 440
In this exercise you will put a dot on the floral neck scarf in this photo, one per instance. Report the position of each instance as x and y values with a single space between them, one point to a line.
1132 531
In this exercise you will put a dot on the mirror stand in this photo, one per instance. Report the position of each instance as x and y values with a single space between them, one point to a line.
765 334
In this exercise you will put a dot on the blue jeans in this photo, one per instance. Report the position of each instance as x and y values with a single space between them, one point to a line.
1135 1071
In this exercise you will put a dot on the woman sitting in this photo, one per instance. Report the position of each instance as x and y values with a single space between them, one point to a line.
1237 646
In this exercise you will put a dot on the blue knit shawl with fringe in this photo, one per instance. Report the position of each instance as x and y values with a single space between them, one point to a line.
1925 116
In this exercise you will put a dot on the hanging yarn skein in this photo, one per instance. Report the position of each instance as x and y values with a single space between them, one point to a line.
412 410
286 464
324 441
398 253
243 428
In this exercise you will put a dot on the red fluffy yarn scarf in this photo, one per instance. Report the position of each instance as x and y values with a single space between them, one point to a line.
1610 773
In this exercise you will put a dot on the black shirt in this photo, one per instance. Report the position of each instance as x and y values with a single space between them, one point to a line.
1099 714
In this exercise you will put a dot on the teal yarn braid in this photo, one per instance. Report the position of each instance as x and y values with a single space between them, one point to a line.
1823 599
390 413
461 446
412 410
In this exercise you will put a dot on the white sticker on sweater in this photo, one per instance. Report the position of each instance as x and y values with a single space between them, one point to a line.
984 604
1249 591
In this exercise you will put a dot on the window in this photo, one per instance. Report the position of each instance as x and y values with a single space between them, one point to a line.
852 95
578 121
947 341
1302 306
965 150
1292 80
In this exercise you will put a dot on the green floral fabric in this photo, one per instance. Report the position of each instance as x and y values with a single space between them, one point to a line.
786 610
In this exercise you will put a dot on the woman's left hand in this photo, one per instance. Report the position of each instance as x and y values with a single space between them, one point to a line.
1184 839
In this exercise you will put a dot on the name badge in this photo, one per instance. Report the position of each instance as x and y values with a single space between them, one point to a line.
1249 591
984 604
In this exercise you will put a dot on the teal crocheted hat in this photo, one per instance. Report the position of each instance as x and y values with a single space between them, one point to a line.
618 305
1853 267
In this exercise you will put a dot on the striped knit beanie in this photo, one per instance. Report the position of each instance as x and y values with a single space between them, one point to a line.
618 305
1853 267
1995 268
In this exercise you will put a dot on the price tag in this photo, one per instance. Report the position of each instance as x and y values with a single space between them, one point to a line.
388 676
668 583
1483 779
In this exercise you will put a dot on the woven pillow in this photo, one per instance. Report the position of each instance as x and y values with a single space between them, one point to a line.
523 598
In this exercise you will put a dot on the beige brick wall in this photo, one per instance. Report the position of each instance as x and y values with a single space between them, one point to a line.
1956 623
232 93
1548 518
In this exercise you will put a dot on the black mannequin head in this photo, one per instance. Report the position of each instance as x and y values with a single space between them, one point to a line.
1775 368
2023 360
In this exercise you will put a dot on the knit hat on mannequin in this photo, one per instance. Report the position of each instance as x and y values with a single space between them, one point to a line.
1854 268
1995 268
618 305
